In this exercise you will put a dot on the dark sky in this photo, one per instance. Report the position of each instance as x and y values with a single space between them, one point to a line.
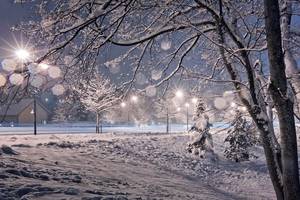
10 15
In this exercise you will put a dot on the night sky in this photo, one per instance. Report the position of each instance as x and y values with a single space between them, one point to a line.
10 15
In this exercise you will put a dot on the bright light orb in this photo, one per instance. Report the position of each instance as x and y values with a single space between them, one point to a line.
2 80
58 89
151 91
179 94
187 105
134 98
156 74
9 65
54 72
220 103
123 104
22 54
194 100
37 81
43 66
178 109
16 79
166 45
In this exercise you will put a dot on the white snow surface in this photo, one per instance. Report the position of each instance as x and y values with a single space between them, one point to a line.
125 166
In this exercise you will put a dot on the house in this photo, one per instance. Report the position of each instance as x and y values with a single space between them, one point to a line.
22 112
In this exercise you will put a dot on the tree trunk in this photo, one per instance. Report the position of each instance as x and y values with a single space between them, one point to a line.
284 106
291 70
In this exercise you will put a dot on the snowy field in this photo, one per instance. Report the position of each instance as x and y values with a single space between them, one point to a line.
124 166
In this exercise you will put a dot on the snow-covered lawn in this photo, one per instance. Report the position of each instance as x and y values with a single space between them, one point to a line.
125 166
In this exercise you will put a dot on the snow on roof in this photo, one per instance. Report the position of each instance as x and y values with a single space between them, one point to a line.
17 108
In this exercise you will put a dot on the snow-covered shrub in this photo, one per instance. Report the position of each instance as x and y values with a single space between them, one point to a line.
240 138
201 139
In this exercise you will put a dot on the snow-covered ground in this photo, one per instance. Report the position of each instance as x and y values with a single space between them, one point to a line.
124 166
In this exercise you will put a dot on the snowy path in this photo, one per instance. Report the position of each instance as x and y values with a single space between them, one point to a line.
115 166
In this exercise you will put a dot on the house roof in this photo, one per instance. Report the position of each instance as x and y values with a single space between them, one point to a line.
17 108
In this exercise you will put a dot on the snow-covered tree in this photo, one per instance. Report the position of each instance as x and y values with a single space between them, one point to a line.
98 95
69 108
201 139
240 137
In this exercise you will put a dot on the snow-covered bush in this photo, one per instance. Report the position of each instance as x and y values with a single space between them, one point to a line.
201 139
240 138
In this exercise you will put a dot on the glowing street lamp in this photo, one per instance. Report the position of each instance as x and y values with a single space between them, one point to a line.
178 109
22 54
194 100
179 94
134 98
187 105
123 104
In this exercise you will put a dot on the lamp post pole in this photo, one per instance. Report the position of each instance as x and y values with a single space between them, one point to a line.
187 118
34 115
168 120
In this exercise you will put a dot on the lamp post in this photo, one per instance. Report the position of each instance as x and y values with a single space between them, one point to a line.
24 56
187 105
167 120
123 105
133 99
34 115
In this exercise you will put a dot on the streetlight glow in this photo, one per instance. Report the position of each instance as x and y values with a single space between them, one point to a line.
178 109
22 54
134 98
179 94
123 104
187 105
194 100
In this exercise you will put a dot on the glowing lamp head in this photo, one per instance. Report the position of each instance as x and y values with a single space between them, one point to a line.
123 104
134 98
22 54
179 94
178 109
194 100
187 105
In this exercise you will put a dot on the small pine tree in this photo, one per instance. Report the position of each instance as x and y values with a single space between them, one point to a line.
240 139
201 139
